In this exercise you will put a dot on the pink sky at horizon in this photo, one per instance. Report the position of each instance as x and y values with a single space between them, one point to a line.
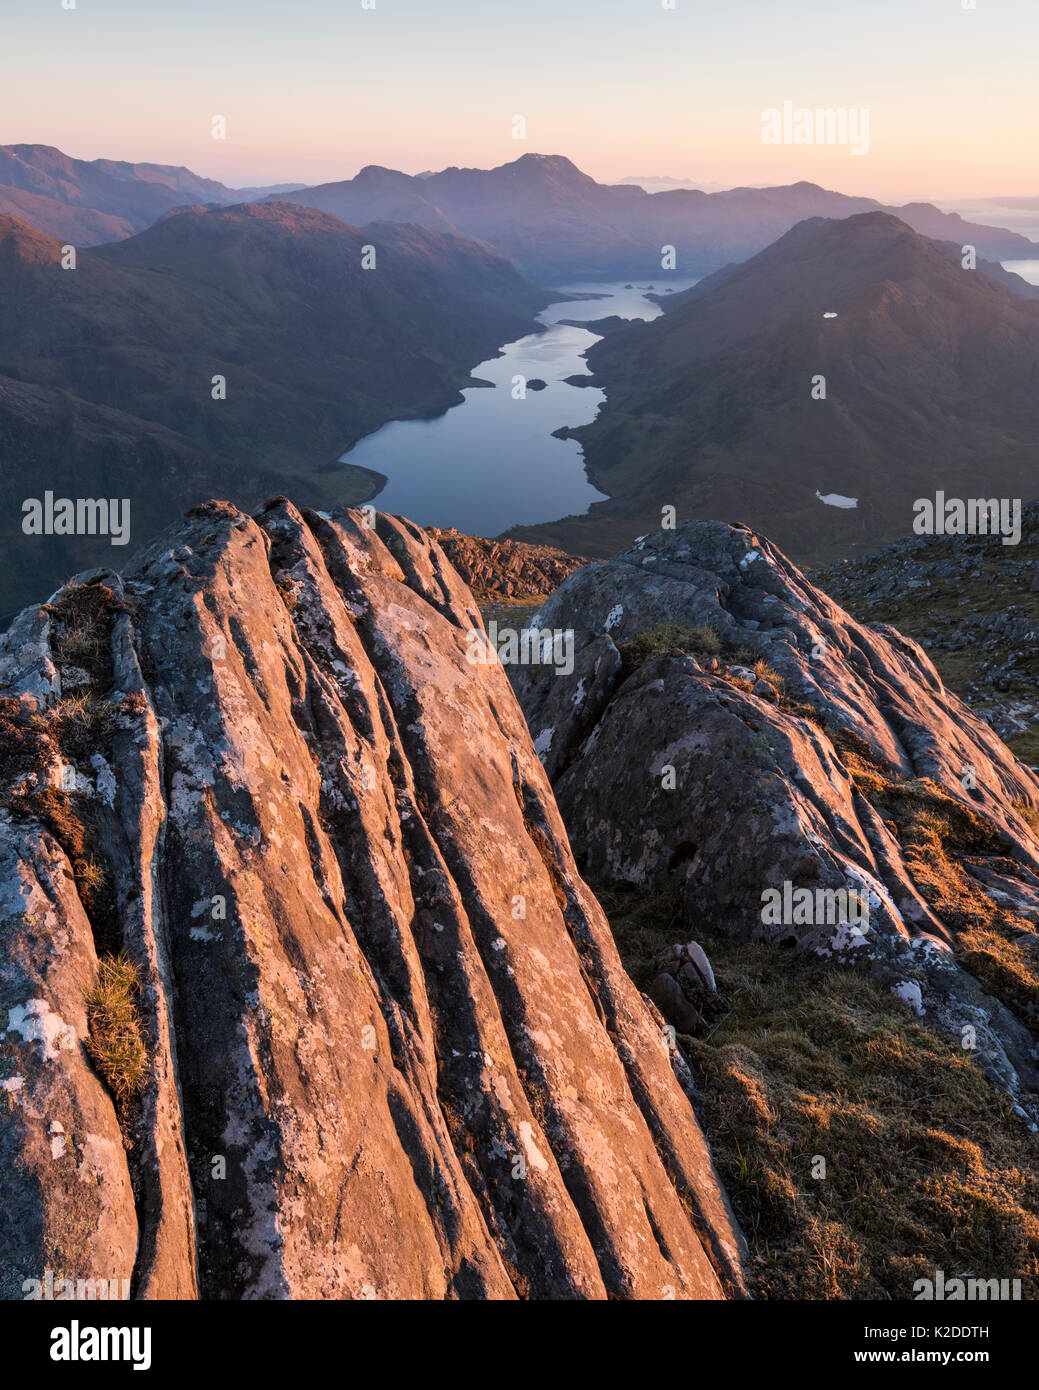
314 92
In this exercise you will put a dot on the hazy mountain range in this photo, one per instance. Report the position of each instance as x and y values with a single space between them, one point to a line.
555 222
93 201
662 183
552 220
106 371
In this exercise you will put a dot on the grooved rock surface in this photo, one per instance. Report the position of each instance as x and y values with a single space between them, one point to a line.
792 745
392 1050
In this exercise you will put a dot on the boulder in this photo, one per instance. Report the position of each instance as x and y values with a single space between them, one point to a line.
782 769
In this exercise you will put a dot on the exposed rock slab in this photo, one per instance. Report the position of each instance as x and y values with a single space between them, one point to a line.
393 1052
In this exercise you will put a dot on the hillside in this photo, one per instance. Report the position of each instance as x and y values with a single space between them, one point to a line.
88 202
929 369
277 855
972 607
316 352
505 571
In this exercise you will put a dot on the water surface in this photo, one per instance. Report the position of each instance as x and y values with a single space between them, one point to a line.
491 462
1028 270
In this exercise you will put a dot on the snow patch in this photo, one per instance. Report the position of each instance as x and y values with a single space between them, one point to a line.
834 499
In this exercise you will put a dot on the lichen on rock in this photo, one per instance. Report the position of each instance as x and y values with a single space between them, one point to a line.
392 1051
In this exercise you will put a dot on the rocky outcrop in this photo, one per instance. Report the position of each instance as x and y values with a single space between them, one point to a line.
498 570
728 733
973 605
391 1050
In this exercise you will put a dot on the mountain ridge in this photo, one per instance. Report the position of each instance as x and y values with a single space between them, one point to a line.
714 408
552 219
90 202
314 352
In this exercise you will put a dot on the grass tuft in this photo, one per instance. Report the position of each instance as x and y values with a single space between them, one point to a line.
769 674
669 637
84 614
116 1034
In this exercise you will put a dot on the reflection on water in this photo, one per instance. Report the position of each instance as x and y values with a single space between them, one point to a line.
491 462
1028 270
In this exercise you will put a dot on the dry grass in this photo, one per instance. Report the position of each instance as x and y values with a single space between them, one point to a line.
90 875
939 835
30 741
83 614
134 704
27 744
927 1167
116 1041
81 725
765 672
70 818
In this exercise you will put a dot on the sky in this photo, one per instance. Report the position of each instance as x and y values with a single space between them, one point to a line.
313 90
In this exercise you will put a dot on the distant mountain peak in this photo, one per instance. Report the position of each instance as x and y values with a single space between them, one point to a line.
559 160
379 173
549 163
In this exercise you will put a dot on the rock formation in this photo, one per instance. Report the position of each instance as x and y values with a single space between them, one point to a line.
389 1048
504 569
729 733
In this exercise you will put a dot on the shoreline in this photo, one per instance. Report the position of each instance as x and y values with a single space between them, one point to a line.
379 481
